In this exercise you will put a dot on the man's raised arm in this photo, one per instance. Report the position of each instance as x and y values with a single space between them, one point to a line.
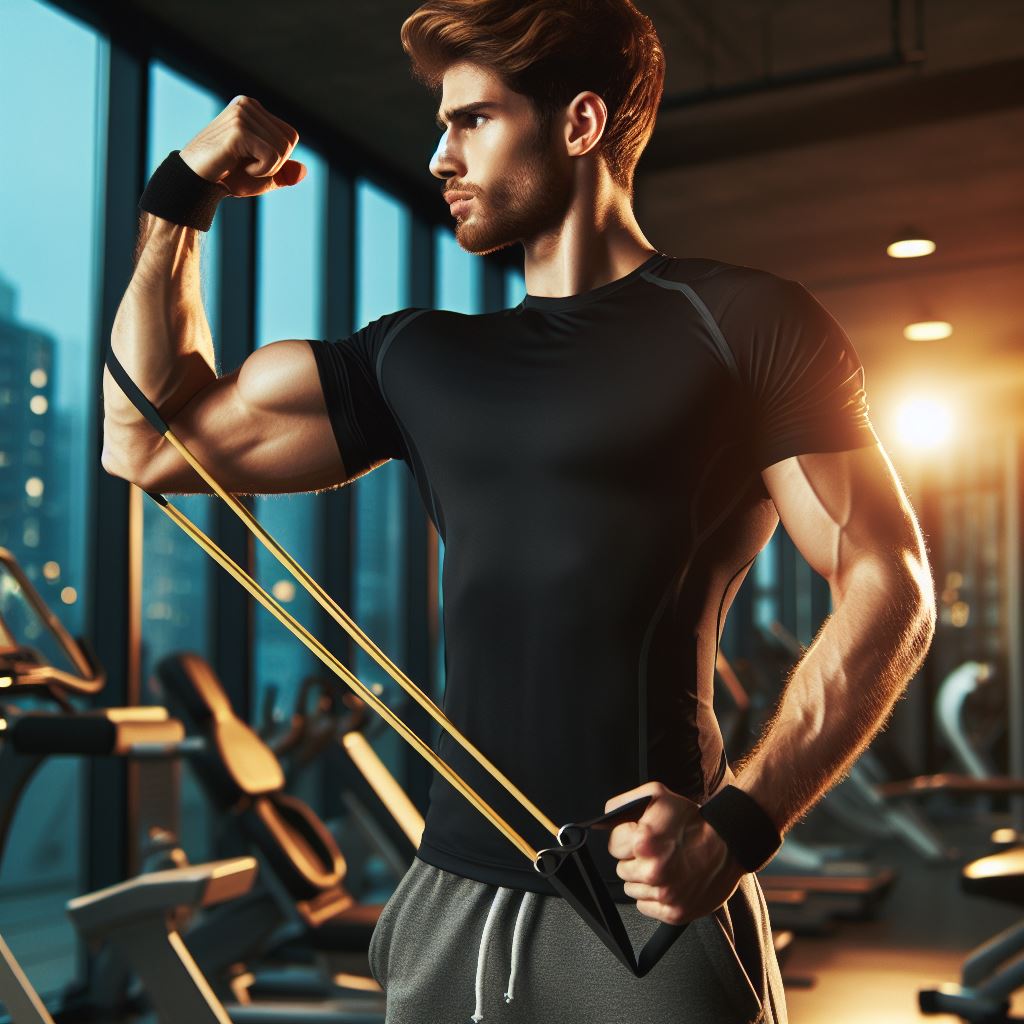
259 429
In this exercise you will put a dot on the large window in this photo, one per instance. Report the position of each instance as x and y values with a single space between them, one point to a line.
379 556
49 223
290 261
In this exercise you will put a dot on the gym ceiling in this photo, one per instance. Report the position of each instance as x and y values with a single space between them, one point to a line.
795 135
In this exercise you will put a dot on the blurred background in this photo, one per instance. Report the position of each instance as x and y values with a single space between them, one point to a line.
870 149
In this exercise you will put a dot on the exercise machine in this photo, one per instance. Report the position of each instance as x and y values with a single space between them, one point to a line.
995 969
114 916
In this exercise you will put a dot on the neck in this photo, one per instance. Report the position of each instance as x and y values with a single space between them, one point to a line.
597 241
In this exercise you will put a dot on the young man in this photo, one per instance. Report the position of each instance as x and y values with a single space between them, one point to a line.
604 461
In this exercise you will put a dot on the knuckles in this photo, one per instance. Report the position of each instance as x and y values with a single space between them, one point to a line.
674 915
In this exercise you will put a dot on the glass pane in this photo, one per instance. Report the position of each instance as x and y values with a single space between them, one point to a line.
764 577
290 258
382 246
459 284
176 571
24 625
515 287
53 79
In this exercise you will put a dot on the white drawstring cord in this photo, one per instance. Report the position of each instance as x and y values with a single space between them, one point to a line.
516 935
496 904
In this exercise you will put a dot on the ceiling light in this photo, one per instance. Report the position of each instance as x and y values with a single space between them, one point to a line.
910 243
928 330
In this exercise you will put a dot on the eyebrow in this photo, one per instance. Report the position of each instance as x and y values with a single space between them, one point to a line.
454 112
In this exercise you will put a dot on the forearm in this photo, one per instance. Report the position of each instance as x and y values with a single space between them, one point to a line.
841 693
161 337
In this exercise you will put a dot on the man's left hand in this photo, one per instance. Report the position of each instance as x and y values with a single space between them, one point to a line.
674 864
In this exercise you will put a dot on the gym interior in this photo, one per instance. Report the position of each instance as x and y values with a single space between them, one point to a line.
178 764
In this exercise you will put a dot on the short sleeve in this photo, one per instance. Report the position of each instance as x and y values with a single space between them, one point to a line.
800 373
363 422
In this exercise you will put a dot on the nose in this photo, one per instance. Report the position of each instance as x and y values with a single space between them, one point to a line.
443 163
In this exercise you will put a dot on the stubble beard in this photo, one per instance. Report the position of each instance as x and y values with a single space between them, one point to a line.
528 201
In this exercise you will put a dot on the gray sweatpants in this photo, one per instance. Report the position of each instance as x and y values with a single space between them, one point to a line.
425 952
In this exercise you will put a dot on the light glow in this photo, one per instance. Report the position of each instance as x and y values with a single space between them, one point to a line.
924 423
909 248
928 330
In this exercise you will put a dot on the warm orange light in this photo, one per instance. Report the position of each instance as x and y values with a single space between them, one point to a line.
908 248
359 981
69 595
283 590
924 423
928 330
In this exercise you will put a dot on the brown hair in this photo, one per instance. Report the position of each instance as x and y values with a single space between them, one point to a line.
552 50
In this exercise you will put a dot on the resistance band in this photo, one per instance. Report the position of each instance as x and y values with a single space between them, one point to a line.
568 866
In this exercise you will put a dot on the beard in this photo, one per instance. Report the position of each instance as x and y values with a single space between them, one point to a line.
530 199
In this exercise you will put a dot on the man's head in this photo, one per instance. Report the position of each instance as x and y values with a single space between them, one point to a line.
566 79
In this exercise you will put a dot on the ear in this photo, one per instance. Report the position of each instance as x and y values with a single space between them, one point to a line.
586 117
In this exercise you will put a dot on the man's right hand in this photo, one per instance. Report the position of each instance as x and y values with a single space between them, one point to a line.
245 149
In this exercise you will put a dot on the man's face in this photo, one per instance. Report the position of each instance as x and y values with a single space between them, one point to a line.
520 179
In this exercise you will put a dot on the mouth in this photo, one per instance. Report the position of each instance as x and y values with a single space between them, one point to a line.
460 206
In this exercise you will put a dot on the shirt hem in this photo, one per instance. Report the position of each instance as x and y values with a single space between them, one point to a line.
506 877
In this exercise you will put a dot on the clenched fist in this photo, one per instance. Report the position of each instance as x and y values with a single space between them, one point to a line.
245 148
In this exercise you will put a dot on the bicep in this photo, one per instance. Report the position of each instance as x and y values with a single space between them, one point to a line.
846 509
261 429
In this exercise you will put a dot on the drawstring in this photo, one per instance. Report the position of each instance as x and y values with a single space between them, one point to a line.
481 959
497 903
516 935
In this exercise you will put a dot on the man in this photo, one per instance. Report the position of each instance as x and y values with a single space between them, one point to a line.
604 462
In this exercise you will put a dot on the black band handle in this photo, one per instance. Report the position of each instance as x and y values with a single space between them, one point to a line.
570 868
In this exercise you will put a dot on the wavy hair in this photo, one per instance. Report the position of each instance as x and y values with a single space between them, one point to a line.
550 51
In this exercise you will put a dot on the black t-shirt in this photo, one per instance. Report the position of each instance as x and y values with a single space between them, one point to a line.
593 465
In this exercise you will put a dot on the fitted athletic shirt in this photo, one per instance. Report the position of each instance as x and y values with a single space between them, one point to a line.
592 463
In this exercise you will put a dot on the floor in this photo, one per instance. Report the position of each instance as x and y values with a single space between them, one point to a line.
871 971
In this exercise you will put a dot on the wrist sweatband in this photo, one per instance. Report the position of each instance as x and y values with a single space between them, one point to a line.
740 820
178 194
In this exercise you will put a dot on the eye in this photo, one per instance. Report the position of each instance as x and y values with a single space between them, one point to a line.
465 119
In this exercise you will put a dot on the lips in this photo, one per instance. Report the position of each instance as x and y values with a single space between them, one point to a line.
458 202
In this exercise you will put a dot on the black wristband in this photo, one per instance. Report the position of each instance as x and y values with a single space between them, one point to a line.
740 820
178 194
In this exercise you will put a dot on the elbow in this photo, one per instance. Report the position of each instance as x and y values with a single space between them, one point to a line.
912 604
901 594
115 464
921 594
